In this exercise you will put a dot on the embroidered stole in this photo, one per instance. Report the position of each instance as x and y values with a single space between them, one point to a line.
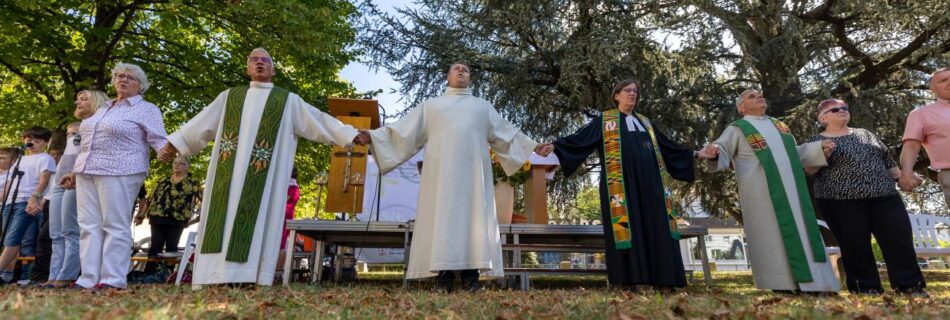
783 211
613 164
245 221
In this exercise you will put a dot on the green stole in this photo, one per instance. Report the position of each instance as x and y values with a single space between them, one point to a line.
613 164
245 221
780 202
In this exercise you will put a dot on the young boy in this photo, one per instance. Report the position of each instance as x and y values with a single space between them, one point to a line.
27 207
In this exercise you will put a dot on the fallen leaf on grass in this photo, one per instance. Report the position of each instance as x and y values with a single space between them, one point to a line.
633 317
506 315
768 301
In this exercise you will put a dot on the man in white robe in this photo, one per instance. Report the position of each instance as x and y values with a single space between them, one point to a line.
258 260
772 265
456 228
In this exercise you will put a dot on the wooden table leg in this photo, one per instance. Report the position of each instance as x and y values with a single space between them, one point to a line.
338 261
405 256
289 256
705 258
318 272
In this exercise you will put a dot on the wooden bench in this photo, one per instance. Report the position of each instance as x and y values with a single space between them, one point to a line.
518 238
925 229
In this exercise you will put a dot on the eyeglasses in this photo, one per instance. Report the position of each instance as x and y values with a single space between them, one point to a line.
630 91
126 76
837 109
261 59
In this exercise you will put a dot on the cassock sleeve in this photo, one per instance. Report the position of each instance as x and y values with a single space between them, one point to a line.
511 146
811 155
574 149
194 135
395 143
728 144
678 159
312 124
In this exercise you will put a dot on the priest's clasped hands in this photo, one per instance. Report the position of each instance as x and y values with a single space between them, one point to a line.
362 138
709 152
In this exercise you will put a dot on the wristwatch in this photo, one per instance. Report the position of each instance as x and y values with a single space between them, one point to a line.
38 195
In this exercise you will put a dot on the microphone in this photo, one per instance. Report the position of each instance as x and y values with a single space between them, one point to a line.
23 146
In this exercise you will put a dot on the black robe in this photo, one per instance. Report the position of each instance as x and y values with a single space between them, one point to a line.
655 257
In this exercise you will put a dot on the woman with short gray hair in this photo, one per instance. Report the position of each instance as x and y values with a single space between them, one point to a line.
857 196
110 169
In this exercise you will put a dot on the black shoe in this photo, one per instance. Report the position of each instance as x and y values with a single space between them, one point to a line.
787 292
470 281
443 282
868 292
664 289
915 293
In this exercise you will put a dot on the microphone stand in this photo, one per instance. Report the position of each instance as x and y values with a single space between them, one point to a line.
18 176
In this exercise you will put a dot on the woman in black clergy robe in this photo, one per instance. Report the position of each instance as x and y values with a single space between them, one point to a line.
654 258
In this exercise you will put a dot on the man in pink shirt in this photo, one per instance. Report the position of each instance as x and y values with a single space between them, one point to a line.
929 126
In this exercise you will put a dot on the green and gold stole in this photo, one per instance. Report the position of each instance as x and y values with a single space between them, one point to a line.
780 202
613 163
245 221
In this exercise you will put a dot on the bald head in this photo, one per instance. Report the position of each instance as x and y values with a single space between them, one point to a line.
940 83
752 103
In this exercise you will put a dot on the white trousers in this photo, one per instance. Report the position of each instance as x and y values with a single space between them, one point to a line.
104 206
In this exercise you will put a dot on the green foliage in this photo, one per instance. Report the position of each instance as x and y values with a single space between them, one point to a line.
516 179
190 50
876 248
544 64
586 208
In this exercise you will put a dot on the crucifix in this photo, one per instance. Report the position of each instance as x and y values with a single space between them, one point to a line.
346 162
349 154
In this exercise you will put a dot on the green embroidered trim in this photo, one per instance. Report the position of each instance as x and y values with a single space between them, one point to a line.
245 221
218 210
794 249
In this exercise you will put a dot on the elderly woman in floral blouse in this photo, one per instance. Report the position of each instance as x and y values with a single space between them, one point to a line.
169 209
110 169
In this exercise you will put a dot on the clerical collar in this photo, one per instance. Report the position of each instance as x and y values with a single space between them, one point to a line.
450 91
255 84
752 117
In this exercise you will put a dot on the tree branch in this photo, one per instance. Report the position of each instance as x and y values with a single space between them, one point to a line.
35 83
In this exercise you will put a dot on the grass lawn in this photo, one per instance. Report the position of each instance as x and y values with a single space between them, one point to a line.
379 296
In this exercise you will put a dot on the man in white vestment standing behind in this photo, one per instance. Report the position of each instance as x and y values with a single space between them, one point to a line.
456 229
786 251
255 130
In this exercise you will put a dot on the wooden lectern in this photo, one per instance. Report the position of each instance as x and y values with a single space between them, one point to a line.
535 189
348 164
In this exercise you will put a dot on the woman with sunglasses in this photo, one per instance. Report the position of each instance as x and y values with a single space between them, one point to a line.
857 196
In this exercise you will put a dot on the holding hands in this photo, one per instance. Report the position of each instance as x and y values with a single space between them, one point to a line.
709 152
34 206
168 153
827 146
362 138
909 180
68 181
544 149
